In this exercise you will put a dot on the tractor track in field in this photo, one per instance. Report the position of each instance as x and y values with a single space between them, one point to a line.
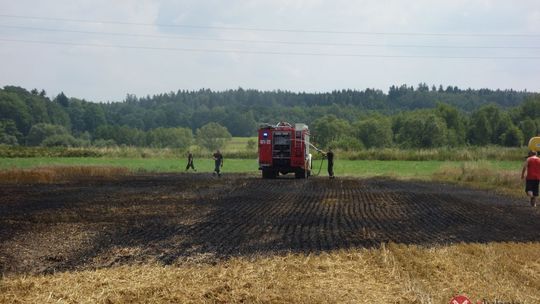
170 218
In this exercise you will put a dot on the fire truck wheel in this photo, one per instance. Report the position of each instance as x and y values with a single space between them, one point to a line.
300 174
268 173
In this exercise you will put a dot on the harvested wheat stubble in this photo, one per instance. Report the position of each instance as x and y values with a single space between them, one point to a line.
390 274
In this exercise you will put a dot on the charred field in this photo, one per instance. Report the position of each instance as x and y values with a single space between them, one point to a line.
172 218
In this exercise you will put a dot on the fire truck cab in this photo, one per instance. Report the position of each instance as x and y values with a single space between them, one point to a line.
284 148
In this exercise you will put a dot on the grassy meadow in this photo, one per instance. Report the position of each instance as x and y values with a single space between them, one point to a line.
358 168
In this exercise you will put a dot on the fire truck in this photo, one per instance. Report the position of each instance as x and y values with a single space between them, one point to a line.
284 148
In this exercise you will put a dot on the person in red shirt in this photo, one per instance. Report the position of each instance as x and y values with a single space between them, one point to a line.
532 168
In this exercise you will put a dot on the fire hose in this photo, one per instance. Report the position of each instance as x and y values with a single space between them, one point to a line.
322 159
318 150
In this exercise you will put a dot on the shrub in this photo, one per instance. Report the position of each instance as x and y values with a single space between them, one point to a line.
212 136
101 143
64 140
347 143
9 140
41 131
169 137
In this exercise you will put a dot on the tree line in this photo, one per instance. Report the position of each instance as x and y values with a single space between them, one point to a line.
406 116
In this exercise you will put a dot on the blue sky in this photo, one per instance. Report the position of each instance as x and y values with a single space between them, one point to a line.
90 59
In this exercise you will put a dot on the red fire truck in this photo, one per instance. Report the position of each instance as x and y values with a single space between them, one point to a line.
284 148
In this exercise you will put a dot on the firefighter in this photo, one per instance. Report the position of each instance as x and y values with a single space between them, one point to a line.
190 162
330 157
218 160
531 174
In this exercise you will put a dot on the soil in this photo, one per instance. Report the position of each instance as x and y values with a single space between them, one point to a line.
174 218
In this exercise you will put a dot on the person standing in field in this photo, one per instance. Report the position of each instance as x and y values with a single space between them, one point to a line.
532 179
190 162
330 157
218 160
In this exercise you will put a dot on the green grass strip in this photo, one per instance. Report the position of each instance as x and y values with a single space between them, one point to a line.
404 169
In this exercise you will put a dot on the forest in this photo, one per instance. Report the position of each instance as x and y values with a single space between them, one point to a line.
405 117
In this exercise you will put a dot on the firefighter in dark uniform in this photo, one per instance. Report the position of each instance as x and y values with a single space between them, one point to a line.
190 162
330 157
218 159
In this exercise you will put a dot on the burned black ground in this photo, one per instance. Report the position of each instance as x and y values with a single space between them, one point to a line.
169 218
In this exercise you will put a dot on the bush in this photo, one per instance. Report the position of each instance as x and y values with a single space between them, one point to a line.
169 137
251 144
102 143
420 130
374 132
513 137
9 140
41 131
65 140
213 136
347 143
329 128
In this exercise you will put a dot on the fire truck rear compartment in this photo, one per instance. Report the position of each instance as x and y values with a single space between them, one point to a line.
281 151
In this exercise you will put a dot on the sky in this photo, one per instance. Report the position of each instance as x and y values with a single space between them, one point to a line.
102 50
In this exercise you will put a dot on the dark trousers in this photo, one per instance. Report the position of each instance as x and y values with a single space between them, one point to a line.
190 165
218 166
330 169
